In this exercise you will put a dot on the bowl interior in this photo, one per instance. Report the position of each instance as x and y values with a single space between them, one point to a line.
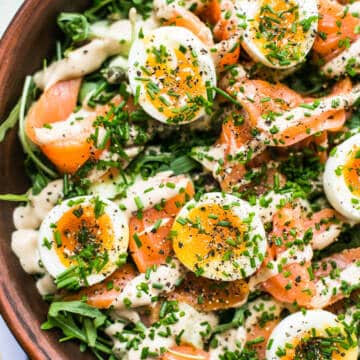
29 39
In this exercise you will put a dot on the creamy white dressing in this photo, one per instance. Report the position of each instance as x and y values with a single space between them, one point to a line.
327 237
287 257
77 126
191 324
43 202
153 190
24 245
109 40
273 203
24 240
46 285
169 10
347 58
129 315
230 340
104 182
119 61
154 345
211 157
24 217
78 63
133 296
326 287
115 328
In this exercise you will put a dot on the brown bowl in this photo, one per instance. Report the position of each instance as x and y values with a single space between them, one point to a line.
29 39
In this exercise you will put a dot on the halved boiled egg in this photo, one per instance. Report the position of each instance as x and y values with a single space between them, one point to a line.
278 33
87 233
314 334
342 178
170 73
219 237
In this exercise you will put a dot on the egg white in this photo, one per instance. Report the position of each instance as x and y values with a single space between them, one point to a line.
171 37
336 189
293 326
226 270
120 229
248 9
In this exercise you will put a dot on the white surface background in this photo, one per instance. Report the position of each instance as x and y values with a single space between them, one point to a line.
9 349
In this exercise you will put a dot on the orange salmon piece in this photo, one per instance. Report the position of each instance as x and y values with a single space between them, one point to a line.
215 295
294 282
103 294
336 28
261 332
225 26
56 104
183 352
263 100
155 245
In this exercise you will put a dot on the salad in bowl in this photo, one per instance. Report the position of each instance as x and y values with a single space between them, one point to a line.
195 170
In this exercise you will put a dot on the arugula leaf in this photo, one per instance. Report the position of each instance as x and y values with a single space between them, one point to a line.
25 101
117 9
149 164
76 307
74 25
354 121
183 164
87 87
38 179
64 315
90 332
11 121
67 323
14 197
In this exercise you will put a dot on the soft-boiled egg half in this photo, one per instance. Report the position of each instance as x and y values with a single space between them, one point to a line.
219 237
278 33
170 74
342 178
85 232
313 334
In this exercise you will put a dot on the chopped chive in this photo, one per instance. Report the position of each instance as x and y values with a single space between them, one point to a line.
137 240
57 237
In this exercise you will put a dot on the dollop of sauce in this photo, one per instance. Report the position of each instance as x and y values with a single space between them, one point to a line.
24 240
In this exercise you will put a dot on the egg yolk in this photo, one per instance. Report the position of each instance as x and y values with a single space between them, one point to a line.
318 344
278 32
209 233
81 235
351 172
175 86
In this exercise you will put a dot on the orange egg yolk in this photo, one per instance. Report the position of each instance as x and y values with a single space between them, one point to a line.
209 233
314 343
175 91
277 31
79 234
351 172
